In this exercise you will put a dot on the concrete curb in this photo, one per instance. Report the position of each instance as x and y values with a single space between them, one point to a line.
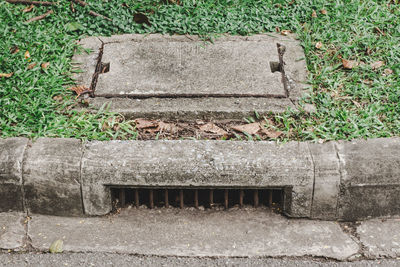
332 181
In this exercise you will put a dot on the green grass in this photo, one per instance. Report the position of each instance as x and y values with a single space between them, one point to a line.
357 103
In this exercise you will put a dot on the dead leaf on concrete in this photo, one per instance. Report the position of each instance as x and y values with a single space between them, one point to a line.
144 124
56 246
79 90
212 128
377 65
271 133
6 75
349 64
251 128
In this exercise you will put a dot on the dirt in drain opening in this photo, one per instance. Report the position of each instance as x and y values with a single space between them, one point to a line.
265 129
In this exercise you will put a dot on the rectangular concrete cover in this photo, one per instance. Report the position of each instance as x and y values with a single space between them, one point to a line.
180 66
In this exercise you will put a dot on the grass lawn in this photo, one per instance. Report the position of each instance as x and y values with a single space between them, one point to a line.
359 102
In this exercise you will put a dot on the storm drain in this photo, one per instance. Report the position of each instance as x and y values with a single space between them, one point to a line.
190 197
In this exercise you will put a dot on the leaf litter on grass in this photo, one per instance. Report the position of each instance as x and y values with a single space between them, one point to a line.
346 106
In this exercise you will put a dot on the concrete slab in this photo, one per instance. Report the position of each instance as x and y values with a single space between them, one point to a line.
381 238
171 232
12 231
182 67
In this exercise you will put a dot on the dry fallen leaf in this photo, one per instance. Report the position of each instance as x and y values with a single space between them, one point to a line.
56 246
45 65
387 71
79 90
31 66
141 18
27 55
6 75
318 45
379 31
377 65
314 14
251 128
14 49
323 11
212 128
349 64
58 98
285 32
28 9
271 133
143 124
167 127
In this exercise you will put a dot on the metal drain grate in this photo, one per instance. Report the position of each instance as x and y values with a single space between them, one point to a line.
192 197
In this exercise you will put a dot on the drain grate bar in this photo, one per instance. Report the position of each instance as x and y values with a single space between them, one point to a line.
197 197
166 198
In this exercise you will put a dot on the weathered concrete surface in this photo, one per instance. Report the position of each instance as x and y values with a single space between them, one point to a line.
370 178
192 108
295 68
235 233
381 238
181 66
86 61
326 182
197 163
11 157
12 231
52 177
100 259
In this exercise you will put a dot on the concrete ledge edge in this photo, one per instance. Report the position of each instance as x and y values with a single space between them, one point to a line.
344 180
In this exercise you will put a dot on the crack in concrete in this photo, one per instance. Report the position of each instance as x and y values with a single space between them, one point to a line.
27 240
97 69
23 192
350 228
80 175
313 188
340 175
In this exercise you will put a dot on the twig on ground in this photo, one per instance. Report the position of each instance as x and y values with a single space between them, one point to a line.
81 3
27 2
72 7
39 17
